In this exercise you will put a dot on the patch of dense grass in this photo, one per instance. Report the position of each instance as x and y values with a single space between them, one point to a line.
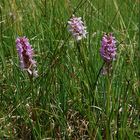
70 99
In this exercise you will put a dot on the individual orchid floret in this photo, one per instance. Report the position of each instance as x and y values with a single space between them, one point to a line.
108 48
25 53
76 28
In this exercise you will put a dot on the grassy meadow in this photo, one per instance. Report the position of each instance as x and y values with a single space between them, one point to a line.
70 99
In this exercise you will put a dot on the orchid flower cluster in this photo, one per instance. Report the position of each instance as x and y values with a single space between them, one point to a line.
108 51
78 30
25 53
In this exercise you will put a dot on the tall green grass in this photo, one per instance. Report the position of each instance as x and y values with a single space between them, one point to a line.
70 99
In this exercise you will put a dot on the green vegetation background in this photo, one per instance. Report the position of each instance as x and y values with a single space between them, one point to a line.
70 99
